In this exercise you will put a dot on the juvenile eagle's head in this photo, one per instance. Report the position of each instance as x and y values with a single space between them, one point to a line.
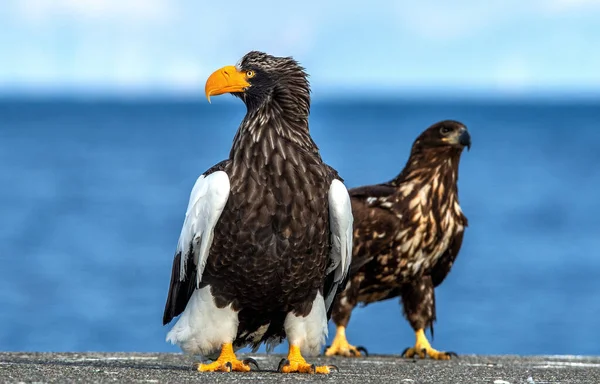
444 135
436 153
259 78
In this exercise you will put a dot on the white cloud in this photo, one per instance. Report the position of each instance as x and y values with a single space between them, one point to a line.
175 44
558 6
40 11
460 19
184 75
446 21
512 73
282 28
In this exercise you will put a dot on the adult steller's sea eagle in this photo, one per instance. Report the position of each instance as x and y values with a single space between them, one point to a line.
407 234
266 243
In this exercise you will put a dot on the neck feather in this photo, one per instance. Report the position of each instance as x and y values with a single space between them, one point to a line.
433 172
281 116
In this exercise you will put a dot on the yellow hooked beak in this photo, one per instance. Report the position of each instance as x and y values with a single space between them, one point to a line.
225 80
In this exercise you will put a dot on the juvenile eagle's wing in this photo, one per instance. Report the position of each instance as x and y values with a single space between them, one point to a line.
373 192
442 268
207 201
372 206
340 256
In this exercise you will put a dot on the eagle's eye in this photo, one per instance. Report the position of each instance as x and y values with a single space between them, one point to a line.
445 130
250 74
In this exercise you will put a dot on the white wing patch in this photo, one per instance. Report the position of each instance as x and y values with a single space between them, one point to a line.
207 201
341 220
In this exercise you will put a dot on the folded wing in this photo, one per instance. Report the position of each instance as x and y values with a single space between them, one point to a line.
340 256
207 201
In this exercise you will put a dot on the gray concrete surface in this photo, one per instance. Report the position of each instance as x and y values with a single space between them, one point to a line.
176 368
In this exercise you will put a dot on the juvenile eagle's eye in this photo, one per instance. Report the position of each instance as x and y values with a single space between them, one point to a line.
250 74
445 130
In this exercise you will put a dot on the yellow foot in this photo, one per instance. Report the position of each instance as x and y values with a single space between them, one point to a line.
295 363
423 349
341 347
227 362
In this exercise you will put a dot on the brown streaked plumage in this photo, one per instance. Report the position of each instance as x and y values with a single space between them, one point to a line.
266 242
407 235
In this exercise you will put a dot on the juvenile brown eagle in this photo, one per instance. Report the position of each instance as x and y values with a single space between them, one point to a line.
267 236
407 234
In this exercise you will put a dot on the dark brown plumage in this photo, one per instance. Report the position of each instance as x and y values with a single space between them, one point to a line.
272 252
407 235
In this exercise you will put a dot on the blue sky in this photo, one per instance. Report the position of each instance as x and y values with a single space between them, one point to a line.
348 47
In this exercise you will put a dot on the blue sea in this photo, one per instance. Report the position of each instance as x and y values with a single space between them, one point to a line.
93 195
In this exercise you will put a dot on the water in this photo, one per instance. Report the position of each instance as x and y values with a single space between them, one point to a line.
93 195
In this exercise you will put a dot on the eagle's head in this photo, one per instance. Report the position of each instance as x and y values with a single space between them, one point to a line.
447 134
259 78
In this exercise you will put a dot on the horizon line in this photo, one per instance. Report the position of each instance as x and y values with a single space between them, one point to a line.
378 96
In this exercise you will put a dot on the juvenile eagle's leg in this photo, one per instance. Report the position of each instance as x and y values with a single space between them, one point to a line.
418 299
342 309
341 347
227 362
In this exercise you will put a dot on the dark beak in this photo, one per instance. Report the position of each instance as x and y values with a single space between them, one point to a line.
465 139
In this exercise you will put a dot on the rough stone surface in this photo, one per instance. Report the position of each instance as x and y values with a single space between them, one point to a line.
176 368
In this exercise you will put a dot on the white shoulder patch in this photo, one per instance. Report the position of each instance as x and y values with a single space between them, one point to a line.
341 220
207 201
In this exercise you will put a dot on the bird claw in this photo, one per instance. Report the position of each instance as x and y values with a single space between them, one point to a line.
227 366
282 364
412 352
249 361
362 349
303 367
345 349
412 355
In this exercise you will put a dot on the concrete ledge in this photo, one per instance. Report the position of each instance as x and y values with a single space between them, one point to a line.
177 368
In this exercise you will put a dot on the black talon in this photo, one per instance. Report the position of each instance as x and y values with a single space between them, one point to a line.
313 368
282 364
327 347
362 349
334 367
229 365
452 354
249 361
403 354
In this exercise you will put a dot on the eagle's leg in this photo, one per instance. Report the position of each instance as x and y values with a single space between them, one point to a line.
342 309
295 363
341 347
227 362
306 333
418 299
422 348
